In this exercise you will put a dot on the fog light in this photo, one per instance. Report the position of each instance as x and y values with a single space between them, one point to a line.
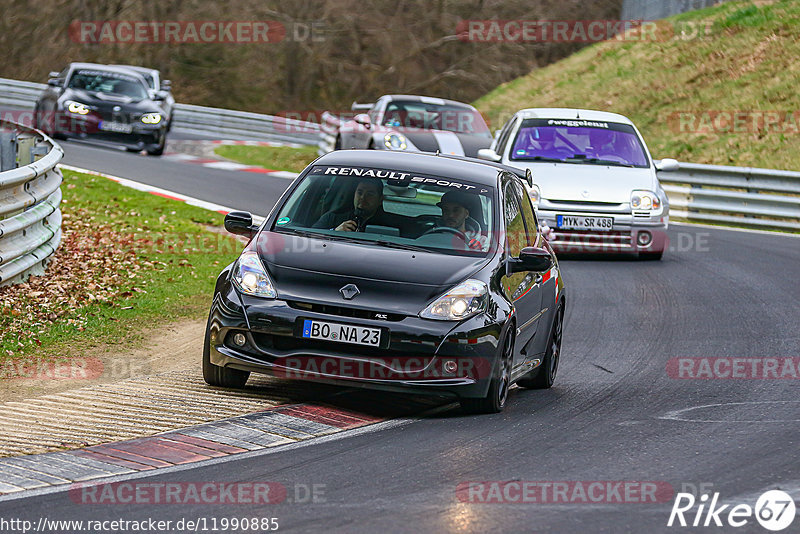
450 366
239 339
644 239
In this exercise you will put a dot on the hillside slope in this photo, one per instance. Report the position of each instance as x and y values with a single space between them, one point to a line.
725 91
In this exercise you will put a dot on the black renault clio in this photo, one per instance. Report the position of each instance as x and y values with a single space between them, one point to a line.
398 271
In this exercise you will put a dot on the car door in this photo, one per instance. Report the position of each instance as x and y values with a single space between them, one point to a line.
521 288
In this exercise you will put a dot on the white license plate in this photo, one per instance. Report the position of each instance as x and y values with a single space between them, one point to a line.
116 127
579 222
341 333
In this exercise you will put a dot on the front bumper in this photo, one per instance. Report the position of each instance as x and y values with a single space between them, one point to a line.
142 136
630 233
411 356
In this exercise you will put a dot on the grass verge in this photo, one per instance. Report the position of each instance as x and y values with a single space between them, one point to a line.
739 57
128 261
279 158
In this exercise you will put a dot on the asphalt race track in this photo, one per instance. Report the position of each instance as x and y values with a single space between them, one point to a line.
615 413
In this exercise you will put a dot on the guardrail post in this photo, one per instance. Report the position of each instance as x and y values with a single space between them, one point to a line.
25 145
8 151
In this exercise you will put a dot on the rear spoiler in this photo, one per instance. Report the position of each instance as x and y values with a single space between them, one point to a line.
361 107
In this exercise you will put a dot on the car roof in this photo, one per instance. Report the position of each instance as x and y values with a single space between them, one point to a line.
470 169
572 113
428 100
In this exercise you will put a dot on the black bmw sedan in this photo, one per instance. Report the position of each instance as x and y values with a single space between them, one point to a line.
398 271
105 103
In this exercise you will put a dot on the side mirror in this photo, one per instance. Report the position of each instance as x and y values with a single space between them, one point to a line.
363 119
166 85
489 154
54 82
53 74
240 223
668 165
532 259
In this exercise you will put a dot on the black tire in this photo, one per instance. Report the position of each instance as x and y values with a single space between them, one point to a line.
651 256
215 375
159 150
496 397
544 376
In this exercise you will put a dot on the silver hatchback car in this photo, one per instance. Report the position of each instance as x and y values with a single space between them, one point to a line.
595 183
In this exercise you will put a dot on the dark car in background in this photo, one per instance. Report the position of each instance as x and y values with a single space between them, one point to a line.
103 103
397 271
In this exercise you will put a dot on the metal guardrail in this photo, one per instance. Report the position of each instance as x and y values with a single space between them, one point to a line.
30 195
228 124
742 196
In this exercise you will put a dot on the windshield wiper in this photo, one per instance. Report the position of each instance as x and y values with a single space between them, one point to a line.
596 161
404 246
541 158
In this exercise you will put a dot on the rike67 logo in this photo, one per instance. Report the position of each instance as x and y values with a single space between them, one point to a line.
774 510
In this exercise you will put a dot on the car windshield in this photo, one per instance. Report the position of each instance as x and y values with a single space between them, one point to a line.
108 83
391 208
579 142
427 116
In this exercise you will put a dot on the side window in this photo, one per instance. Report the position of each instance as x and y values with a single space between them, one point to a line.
528 215
504 135
515 225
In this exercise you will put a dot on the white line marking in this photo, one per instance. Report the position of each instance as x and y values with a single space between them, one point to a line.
677 415
226 165
152 189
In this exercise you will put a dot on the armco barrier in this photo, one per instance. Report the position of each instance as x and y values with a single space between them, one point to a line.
30 195
225 123
741 196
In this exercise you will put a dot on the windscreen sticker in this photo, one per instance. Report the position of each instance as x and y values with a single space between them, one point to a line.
283 220
577 123
403 178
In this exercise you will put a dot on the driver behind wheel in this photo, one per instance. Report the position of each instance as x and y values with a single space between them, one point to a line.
456 215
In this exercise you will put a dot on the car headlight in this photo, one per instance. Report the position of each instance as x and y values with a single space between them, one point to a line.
535 195
463 301
395 141
151 118
251 278
645 200
77 107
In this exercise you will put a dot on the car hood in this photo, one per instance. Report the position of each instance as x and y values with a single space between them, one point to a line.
585 182
394 280
446 142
